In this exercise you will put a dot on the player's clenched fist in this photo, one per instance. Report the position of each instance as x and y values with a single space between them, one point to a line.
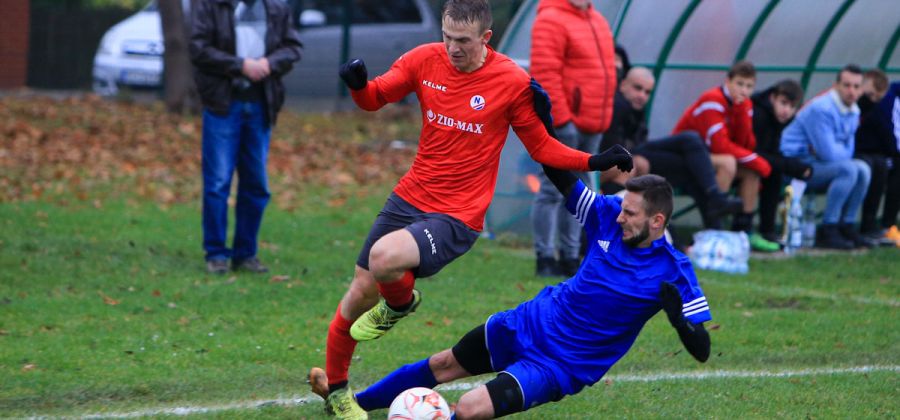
354 74
614 156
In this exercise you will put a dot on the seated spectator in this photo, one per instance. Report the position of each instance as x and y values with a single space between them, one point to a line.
822 135
623 64
682 159
773 109
722 117
876 145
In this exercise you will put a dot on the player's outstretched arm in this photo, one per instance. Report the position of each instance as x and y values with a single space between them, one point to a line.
615 156
694 337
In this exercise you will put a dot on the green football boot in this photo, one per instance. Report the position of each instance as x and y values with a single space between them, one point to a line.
377 321
342 404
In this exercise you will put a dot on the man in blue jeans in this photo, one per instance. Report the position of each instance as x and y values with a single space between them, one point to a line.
240 50
822 135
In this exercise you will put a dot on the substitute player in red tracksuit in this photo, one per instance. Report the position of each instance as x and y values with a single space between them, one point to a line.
723 117
469 96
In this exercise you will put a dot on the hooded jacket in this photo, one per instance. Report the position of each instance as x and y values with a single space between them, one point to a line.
573 58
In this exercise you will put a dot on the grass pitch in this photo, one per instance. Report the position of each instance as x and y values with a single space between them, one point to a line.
108 311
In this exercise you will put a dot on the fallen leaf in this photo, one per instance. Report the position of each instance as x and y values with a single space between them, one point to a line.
279 278
107 300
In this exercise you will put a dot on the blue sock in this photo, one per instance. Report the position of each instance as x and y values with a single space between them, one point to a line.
382 393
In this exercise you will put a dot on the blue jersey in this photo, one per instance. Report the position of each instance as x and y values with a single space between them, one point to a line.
588 322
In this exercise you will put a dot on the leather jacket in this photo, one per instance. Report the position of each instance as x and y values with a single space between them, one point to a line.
212 49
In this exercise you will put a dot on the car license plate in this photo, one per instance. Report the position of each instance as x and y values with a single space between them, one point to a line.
141 78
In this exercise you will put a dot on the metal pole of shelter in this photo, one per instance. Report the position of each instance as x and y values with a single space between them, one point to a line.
820 44
754 30
345 42
889 49
667 48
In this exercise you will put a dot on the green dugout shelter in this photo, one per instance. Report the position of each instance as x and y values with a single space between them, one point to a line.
689 45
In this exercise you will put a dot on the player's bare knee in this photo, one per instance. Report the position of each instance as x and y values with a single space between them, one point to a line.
470 406
445 367
382 263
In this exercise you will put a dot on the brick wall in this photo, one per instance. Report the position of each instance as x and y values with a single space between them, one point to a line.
14 21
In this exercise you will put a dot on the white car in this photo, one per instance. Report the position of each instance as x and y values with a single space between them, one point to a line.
131 52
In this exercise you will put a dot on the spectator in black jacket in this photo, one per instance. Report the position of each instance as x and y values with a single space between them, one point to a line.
682 158
240 51
876 145
773 109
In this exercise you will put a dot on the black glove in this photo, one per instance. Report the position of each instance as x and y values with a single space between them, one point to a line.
795 168
614 156
354 74
542 106
671 302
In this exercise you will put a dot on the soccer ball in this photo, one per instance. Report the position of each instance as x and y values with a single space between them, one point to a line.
419 404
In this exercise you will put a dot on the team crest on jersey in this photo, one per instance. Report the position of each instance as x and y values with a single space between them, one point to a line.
477 102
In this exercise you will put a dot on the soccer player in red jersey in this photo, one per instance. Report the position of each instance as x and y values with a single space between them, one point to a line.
469 96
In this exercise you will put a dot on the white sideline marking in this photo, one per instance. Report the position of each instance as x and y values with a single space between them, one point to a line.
798 291
465 386
715 374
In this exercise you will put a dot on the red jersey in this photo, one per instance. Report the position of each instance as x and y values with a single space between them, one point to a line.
465 122
726 128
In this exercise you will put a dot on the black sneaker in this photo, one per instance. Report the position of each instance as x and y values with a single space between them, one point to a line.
852 235
217 267
251 265
829 236
546 267
720 204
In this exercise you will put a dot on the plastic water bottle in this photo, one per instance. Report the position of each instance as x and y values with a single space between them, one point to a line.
793 220
809 224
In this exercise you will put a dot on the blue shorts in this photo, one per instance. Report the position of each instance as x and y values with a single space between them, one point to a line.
441 238
541 379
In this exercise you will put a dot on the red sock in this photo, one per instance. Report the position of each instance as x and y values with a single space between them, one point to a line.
338 349
399 292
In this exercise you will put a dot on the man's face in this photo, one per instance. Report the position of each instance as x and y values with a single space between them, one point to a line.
636 91
465 44
634 220
784 108
868 89
849 87
740 88
580 4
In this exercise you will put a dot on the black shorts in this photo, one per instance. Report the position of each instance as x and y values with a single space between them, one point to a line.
441 238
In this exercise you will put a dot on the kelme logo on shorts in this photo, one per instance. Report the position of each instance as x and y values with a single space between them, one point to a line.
477 102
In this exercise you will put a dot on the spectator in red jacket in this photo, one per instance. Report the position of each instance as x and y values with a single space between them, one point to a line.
573 58
722 116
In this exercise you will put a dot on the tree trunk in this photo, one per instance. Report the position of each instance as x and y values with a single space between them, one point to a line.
179 91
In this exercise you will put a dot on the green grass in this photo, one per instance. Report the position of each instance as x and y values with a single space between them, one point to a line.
109 310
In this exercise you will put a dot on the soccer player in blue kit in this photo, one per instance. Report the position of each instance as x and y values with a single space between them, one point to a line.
570 334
